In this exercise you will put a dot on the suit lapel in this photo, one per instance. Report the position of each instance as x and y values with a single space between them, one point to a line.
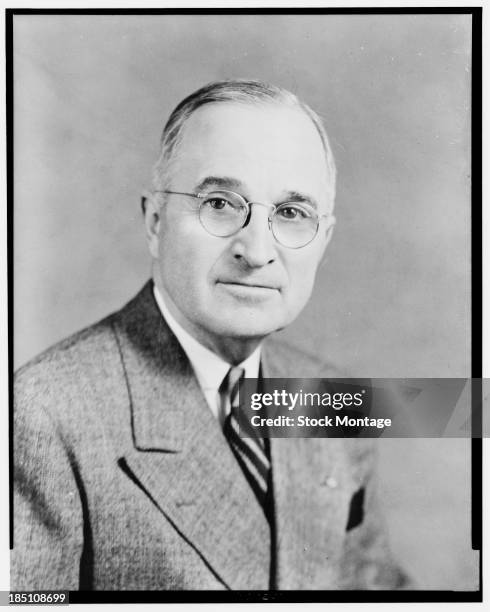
180 456
311 488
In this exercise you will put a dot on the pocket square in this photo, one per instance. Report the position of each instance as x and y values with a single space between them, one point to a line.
356 510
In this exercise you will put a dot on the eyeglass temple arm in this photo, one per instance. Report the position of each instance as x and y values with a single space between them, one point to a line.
192 195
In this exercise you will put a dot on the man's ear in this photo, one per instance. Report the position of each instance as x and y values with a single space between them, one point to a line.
329 230
151 212
327 236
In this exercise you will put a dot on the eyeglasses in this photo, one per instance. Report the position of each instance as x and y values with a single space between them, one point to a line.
224 213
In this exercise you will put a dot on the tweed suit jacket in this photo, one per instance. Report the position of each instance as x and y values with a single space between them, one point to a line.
124 480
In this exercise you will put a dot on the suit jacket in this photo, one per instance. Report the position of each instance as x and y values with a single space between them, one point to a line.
124 480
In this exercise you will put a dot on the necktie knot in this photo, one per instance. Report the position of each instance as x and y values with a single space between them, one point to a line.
228 389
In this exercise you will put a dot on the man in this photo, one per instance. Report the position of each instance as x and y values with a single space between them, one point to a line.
126 469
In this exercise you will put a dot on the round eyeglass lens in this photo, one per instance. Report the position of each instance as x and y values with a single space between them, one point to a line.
294 225
222 213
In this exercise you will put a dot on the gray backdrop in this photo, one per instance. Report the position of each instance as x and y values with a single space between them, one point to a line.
393 296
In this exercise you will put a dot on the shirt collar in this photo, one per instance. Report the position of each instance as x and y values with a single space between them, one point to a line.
209 368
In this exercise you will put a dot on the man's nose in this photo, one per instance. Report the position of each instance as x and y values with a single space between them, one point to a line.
254 243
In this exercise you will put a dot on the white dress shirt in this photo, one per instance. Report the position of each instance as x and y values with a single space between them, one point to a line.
209 368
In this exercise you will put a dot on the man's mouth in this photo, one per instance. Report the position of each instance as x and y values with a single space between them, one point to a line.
249 285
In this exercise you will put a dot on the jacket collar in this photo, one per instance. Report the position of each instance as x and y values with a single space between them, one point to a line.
157 370
180 455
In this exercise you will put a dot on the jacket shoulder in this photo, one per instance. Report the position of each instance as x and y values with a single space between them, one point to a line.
70 354
68 369
84 371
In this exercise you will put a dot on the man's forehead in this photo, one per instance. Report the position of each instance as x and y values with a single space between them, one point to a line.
271 141
264 118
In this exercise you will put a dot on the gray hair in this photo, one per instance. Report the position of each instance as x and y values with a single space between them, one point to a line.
231 90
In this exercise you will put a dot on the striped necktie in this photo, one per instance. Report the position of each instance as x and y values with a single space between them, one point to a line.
250 452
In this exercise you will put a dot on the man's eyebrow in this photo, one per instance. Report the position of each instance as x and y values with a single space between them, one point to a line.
219 182
297 196
234 184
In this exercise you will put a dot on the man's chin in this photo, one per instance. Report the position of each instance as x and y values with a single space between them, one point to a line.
248 329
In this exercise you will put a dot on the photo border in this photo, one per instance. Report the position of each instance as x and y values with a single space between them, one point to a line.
361 596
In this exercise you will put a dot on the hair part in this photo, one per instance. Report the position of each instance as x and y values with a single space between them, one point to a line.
232 90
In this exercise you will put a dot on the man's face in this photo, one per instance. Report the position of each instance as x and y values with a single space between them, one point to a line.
246 285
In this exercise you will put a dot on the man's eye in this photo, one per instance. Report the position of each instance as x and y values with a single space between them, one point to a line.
293 213
217 203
